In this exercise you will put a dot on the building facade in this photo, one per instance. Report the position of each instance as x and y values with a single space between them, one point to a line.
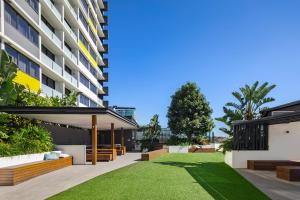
59 45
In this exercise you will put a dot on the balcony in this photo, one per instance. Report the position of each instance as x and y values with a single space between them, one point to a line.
71 8
105 75
105 37
105 6
105 60
105 89
54 10
48 91
70 55
51 64
105 20
70 31
50 34
70 78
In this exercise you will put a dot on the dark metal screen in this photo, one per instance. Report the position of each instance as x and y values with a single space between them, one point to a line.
250 137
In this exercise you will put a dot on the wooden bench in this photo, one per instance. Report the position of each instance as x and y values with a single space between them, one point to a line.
102 154
289 173
269 164
19 173
121 150
153 154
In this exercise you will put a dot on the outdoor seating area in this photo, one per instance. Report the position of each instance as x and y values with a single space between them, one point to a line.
102 154
285 169
13 175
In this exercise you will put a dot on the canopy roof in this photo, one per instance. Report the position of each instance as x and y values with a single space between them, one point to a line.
74 116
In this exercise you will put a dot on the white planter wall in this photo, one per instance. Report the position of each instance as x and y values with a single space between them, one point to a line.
178 149
282 146
21 159
77 151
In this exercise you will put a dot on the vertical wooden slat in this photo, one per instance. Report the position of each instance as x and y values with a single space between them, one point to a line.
112 134
122 138
94 139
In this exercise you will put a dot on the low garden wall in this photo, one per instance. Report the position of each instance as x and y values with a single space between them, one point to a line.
78 152
153 154
21 159
179 149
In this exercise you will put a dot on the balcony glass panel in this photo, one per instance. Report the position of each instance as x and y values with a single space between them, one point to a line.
54 10
51 64
50 34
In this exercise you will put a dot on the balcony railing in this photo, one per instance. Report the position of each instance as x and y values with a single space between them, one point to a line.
70 31
70 78
54 10
105 89
50 34
51 64
51 92
70 55
105 75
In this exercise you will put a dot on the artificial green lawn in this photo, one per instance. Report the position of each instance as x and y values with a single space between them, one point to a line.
173 176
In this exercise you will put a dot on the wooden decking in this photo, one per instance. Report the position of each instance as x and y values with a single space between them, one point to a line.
16 174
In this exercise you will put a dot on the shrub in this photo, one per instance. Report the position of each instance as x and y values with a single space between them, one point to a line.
175 140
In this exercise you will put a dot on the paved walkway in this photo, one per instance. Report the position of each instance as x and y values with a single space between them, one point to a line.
275 188
55 182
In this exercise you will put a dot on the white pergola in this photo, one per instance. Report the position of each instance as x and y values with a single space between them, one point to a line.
88 118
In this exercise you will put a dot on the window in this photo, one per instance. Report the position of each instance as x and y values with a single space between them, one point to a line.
92 104
84 81
93 71
85 6
83 20
13 53
67 23
48 24
34 70
21 24
84 61
48 81
10 15
93 88
24 63
84 100
48 53
34 4
92 36
93 54
83 40
68 70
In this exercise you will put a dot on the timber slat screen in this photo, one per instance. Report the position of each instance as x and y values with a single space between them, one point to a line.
251 136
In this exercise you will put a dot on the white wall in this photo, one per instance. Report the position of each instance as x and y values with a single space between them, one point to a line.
178 149
21 159
282 146
77 151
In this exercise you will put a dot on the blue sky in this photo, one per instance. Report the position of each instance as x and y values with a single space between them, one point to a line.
155 46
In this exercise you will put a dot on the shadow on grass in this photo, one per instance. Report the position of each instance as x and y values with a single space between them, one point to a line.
220 180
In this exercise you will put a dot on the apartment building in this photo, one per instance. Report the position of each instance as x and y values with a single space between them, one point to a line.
59 46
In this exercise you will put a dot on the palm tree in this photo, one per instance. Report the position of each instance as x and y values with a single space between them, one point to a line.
251 101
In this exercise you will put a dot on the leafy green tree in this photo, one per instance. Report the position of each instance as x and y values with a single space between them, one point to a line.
151 134
8 70
250 101
189 113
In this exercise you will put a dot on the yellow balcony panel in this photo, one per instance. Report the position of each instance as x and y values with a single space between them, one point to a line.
28 81
92 25
88 55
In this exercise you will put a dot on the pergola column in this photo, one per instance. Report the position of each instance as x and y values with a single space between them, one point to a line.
94 139
112 135
122 138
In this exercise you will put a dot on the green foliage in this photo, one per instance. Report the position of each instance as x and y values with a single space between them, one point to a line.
175 140
151 134
227 145
202 139
250 101
8 70
189 112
